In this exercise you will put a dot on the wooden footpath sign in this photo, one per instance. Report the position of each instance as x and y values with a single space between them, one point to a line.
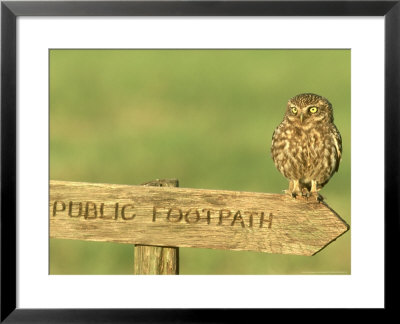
181 217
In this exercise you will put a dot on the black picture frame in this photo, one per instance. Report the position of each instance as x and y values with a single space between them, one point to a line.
10 10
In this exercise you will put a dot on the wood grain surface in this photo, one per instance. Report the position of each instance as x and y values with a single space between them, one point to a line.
182 217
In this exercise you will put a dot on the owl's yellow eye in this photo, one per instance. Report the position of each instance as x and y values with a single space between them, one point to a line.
313 110
294 110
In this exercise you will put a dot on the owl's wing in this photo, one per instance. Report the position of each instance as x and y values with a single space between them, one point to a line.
337 139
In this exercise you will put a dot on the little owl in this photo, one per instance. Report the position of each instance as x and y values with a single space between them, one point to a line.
306 146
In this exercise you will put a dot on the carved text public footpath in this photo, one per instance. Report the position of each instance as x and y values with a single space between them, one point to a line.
90 210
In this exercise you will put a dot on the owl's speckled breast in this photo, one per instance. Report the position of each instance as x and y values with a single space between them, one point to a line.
305 153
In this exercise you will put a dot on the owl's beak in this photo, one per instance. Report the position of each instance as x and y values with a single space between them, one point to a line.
301 117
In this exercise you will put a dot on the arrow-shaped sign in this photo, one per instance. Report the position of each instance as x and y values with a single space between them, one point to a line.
181 217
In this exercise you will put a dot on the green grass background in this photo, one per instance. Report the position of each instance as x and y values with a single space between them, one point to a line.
205 117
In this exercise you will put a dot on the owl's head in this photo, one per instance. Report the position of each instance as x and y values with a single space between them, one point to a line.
308 108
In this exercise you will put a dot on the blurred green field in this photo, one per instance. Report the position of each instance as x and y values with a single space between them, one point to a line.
205 117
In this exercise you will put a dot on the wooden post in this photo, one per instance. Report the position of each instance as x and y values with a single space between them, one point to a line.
154 260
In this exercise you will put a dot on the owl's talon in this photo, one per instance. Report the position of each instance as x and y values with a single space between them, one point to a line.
305 193
292 194
317 196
